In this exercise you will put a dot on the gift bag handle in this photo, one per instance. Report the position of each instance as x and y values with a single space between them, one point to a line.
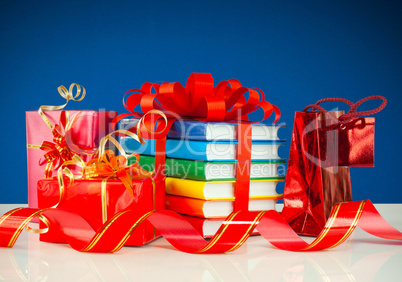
352 113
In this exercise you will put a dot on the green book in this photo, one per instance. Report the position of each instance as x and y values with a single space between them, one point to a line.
210 171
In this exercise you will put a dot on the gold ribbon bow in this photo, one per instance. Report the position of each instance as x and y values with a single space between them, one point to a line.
106 166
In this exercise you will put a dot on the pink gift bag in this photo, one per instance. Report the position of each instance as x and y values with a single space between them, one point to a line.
54 135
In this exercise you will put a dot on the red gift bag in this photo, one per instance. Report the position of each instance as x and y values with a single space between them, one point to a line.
323 147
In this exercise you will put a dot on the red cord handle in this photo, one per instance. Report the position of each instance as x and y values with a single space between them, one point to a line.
352 113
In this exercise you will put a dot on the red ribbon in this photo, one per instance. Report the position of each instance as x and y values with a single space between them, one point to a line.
232 234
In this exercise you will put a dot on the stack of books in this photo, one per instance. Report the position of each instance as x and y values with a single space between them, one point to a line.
201 169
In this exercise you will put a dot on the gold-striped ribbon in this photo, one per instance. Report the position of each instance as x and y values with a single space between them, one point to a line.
330 223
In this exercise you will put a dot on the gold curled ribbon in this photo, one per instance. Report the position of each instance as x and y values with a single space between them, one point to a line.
39 230
68 95
141 124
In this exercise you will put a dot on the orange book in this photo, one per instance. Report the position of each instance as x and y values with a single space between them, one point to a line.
214 209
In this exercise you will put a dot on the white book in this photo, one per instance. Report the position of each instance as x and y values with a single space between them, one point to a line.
208 131
204 150
213 209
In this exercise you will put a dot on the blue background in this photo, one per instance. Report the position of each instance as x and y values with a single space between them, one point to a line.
295 51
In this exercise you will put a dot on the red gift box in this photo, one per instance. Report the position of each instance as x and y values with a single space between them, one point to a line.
85 197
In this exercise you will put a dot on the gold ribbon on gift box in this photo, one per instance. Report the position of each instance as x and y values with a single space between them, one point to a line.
104 166
58 151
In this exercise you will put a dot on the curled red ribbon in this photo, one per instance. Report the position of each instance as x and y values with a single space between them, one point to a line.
232 234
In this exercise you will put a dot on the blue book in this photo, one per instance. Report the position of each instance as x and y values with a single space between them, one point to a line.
195 130
204 150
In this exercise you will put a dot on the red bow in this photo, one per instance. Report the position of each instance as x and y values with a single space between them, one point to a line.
227 101
58 152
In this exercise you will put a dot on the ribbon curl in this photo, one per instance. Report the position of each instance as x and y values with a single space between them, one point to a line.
68 95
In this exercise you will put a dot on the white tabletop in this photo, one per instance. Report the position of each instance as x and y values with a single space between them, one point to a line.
361 258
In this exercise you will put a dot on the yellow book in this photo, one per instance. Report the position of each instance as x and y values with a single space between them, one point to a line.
220 190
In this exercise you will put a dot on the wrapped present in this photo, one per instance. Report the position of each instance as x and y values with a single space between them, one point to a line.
212 113
53 136
104 187
95 205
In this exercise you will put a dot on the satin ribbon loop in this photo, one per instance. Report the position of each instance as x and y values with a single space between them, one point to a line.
131 99
214 107
199 85
200 100
147 87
